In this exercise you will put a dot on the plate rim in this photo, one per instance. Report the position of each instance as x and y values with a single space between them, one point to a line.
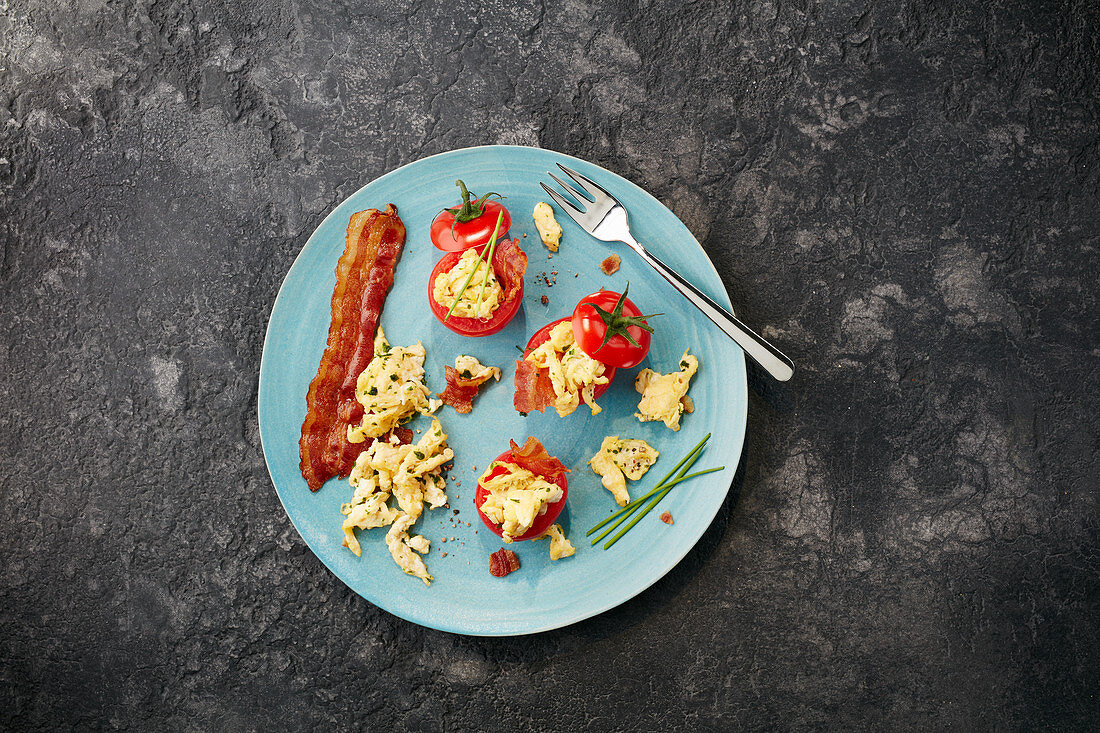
741 423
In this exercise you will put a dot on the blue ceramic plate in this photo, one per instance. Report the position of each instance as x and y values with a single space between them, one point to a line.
542 595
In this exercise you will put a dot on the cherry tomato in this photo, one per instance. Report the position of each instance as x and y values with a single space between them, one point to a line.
472 326
542 522
542 335
620 316
470 224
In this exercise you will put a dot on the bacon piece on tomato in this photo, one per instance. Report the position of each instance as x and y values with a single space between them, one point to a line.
364 274
534 457
534 390
509 265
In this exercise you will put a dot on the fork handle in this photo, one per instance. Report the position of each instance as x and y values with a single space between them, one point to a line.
763 353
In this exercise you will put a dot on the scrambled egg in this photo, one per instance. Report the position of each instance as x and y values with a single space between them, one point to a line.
559 546
620 459
402 548
573 373
468 367
516 498
447 284
664 396
411 475
549 229
391 389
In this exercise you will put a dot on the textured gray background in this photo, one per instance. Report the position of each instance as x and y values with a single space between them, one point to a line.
906 191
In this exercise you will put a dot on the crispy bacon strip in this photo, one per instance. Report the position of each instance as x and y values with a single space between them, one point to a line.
534 390
460 393
503 562
534 458
364 275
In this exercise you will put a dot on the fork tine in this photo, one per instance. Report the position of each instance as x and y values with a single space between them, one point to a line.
581 198
592 188
567 206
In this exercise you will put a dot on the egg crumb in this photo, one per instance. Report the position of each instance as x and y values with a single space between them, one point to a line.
663 395
549 229
560 546
619 459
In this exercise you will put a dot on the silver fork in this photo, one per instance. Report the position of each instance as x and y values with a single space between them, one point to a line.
601 215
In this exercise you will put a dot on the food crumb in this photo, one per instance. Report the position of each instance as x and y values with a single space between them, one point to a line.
666 518
503 562
444 554
611 264
545 300
443 540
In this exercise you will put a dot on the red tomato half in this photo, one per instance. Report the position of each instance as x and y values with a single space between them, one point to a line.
542 522
589 331
542 335
473 233
472 326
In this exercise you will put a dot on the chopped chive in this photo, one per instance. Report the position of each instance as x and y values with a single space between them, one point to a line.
634 504
493 241
489 261
655 502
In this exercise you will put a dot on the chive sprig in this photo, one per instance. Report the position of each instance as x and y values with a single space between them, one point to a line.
489 249
654 496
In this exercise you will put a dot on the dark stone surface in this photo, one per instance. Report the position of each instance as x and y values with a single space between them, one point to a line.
906 191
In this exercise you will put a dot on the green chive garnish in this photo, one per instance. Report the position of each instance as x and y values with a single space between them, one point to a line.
466 284
655 502
654 496
634 504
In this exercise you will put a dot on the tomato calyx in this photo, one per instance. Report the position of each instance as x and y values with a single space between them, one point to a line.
468 210
617 324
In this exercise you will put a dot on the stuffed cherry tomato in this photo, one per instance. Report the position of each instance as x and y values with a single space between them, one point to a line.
470 224
610 328
542 335
491 297
522 492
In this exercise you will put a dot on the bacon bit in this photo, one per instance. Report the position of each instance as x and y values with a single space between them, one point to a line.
545 300
688 404
510 265
364 274
610 265
503 562
666 518
460 392
534 390
534 458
